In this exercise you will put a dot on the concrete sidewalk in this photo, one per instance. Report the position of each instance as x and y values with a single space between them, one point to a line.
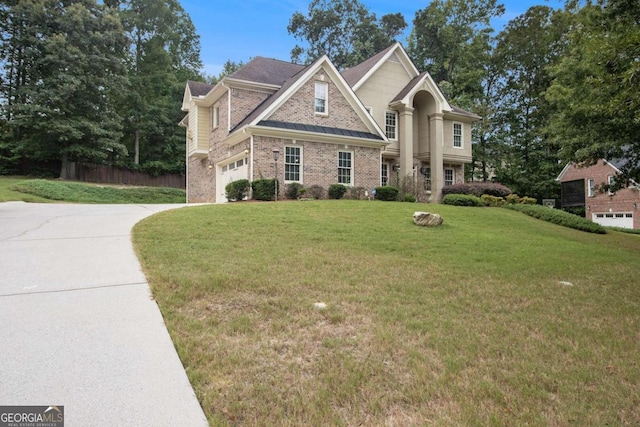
78 326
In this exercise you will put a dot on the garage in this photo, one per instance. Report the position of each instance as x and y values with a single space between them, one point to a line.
229 172
614 219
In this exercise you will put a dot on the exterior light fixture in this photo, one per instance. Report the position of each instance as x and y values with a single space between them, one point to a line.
396 167
423 170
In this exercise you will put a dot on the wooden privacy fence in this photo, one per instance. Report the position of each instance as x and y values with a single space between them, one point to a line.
113 175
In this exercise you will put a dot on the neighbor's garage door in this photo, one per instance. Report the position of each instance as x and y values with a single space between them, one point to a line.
614 219
227 173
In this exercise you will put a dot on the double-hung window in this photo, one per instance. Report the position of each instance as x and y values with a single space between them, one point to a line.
391 125
292 164
345 167
427 178
448 177
592 188
321 96
611 180
215 117
384 174
457 135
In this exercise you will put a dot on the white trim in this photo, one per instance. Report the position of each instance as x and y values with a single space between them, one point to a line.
246 131
453 135
395 126
325 88
352 168
300 165
405 61
591 190
340 83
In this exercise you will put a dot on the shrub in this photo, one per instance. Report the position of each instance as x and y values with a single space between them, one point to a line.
264 189
410 198
477 189
316 192
237 190
513 199
293 191
387 193
336 191
493 201
558 217
462 200
357 193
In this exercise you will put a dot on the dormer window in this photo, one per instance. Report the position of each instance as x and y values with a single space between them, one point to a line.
322 93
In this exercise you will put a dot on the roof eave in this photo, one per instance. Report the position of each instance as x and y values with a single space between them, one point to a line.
250 130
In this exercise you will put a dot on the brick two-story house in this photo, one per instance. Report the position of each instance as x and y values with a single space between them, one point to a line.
585 187
379 122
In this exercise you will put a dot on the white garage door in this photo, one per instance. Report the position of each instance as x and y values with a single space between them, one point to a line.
614 219
228 173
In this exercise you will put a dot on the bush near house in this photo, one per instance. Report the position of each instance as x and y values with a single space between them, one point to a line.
263 189
557 216
316 192
478 189
237 190
387 193
293 191
337 191
462 200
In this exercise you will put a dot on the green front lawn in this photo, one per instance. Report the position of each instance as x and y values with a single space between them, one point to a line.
8 193
496 318
41 190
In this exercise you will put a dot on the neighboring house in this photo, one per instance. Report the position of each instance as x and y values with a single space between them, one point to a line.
377 123
583 187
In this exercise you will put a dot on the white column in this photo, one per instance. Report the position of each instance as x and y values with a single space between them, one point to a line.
436 144
405 142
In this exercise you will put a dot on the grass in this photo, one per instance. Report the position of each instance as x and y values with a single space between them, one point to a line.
38 190
8 193
495 318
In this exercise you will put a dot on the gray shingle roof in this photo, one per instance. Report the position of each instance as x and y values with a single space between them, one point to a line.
198 88
354 74
319 129
268 71
270 100
414 81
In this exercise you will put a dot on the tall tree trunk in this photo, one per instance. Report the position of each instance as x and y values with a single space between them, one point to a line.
136 148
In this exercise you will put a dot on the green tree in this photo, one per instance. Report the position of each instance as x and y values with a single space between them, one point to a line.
596 90
344 30
164 51
64 62
526 49
451 39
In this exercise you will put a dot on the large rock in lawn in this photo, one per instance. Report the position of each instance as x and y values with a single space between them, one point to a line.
427 219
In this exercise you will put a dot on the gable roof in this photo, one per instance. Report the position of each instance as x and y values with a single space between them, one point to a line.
198 88
356 76
414 86
616 165
272 103
267 71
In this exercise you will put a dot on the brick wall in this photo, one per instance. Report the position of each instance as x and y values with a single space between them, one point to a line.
622 201
319 162
243 102
300 108
200 181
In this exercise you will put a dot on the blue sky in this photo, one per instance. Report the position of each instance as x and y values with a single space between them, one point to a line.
241 29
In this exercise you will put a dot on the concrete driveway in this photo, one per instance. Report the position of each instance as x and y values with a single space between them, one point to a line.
78 326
